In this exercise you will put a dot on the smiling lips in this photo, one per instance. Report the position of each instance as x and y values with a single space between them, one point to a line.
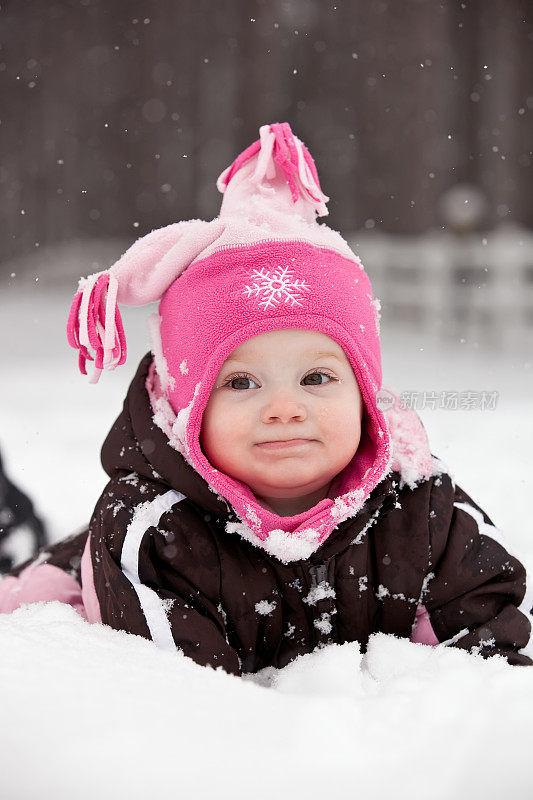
283 444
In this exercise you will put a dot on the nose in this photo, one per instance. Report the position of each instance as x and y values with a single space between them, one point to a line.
282 407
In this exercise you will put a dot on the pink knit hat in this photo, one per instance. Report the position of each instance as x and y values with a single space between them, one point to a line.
264 263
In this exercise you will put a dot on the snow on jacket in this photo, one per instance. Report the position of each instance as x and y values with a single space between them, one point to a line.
419 560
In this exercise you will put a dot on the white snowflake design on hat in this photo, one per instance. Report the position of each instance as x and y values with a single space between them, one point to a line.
276 286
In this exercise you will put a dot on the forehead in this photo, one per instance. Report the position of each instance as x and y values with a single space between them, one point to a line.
307 344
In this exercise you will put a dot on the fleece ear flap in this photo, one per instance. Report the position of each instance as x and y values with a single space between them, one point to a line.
140 276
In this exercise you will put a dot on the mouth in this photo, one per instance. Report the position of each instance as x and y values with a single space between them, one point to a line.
280 444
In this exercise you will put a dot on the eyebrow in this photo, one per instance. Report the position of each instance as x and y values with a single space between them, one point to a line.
310 354
326 354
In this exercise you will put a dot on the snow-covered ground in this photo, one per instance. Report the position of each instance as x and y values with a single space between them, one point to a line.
88 712
91 713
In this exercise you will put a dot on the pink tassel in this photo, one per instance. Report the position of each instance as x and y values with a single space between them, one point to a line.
95 327
285 155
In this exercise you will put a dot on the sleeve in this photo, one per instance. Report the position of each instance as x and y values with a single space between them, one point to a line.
53 574
475 592
156 571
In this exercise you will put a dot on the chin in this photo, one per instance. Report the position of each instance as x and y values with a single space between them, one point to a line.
283 491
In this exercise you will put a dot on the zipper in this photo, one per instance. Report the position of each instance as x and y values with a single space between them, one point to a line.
318 573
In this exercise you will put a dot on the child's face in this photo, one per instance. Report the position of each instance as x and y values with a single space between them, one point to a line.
284 415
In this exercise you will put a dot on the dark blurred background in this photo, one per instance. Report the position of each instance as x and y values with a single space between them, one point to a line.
118 116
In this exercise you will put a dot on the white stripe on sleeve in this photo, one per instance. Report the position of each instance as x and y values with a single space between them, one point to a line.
147 515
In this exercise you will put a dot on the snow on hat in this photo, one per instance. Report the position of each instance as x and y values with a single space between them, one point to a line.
263 264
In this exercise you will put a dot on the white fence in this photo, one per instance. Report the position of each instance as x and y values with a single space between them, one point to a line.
477 287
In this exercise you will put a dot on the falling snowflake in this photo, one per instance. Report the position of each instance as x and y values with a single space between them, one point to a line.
277 286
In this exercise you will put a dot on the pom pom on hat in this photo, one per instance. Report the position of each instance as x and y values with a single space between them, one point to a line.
278 145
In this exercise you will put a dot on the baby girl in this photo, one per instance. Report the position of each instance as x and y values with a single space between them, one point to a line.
261 502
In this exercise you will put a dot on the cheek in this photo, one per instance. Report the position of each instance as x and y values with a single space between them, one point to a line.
222 427
341 423
209 431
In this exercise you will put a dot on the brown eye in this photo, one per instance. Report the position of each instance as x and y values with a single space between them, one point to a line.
315 378
240 381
